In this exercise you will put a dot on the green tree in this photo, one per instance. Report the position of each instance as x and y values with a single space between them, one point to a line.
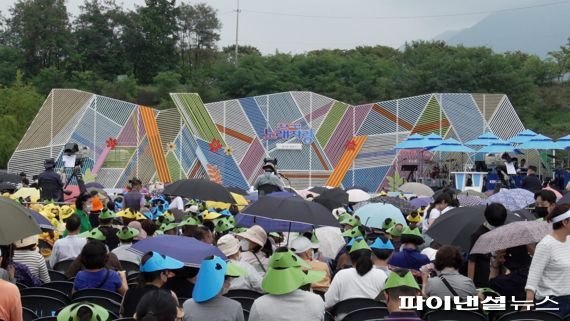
19 104
97 40
150 38
199 29
40 30
562 59
10 60
49 78
124 88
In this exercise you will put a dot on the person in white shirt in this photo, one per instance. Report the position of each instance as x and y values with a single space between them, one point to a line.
440 206
68 248
126 235
286 301
548 274
256 248
177 203
360 281
230 246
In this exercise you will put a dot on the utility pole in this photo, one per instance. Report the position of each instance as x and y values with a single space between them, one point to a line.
237 32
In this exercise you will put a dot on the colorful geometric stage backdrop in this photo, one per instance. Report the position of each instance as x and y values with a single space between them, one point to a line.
317 140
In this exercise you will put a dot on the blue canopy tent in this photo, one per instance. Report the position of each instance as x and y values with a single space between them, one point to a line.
523 136
499 146
484 140
451 146
412 142
540 142
564 142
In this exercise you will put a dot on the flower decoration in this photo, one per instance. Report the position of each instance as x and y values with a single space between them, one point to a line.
171 146
111 142
350 145
229 151
215 145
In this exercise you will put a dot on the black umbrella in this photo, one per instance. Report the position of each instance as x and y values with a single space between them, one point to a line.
456 226
94 185
564 200
199 189
237 190
358 187
280 214
525 214
7 186
318 189
17 222
9 177
332 198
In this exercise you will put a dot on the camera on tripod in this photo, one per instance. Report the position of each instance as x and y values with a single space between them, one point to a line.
73 156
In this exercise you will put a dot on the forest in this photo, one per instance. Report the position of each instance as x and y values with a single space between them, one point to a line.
143 54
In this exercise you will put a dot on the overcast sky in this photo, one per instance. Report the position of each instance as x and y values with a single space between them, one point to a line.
301 25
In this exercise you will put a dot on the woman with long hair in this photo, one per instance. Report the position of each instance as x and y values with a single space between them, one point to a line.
362 280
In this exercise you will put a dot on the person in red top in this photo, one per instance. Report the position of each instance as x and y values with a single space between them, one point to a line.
10 303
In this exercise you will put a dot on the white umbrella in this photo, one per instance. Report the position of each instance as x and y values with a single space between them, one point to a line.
417 188
357 195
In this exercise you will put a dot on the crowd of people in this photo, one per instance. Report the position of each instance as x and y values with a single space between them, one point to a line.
299 276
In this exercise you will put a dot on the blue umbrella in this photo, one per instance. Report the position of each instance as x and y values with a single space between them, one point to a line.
186 249
500 146
414 141
539 142
451 146
523 136
374 214
484 140
42 221
421 201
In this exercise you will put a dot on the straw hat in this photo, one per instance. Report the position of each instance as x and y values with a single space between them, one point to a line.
27 241
255 234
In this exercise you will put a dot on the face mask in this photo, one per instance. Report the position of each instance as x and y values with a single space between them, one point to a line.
541 211
244 244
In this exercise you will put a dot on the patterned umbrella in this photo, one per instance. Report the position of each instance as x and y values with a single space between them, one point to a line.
512 199
417 188
511 235
467 200
474 193
402 204
421 201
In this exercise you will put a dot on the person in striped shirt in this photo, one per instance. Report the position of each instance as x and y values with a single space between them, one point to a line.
26 253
